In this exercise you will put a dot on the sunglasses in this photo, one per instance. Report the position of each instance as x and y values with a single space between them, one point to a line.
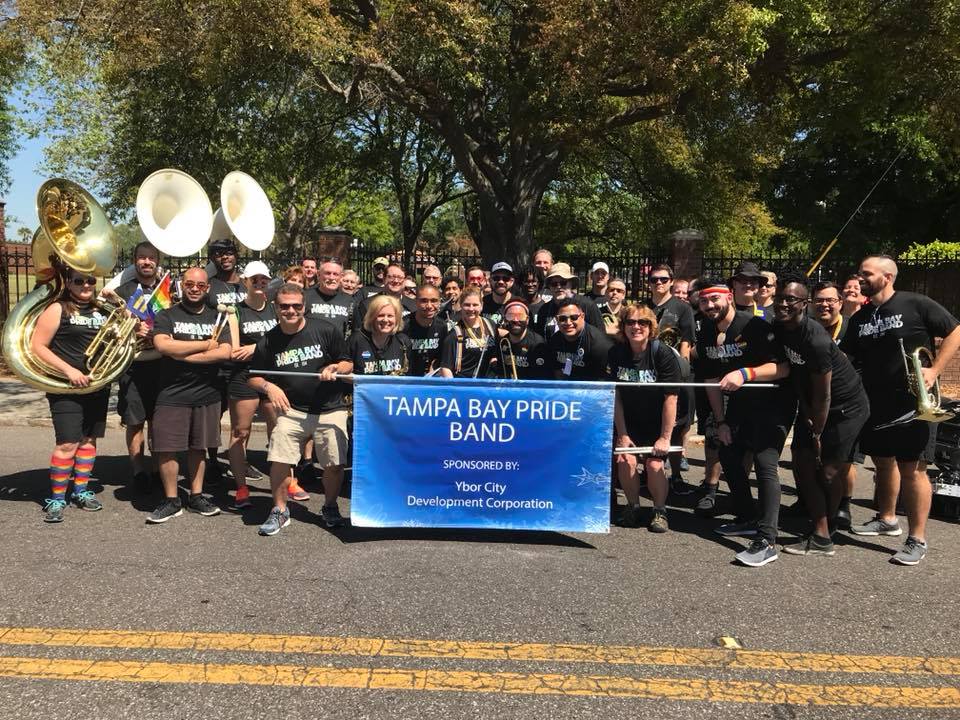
191 285
659 279
616 290
84 281
500 278
634 321
788 300
290 306
218 253
568 318
557 283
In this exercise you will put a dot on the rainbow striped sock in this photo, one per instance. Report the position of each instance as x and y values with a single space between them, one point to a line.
60 468
83 466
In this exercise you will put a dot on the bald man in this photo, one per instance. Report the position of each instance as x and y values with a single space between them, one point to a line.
893 322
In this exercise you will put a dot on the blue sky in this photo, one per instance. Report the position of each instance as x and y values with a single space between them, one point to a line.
25 178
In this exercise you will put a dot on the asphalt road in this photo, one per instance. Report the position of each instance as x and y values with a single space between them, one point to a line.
214 621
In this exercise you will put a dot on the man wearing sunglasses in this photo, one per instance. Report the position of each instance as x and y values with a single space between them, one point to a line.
226 285
746 283
833 410
327 301
306 408
193 339
528 351
562 284
578 350
734 348
501 286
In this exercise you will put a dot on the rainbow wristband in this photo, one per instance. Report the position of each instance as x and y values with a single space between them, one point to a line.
748 374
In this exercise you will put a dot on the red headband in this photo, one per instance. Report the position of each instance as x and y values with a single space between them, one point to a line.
722 289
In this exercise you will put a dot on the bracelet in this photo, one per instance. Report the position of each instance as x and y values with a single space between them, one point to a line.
748 374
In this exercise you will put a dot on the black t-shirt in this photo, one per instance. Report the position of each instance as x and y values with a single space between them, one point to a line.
185 384
643 407
546 322
493 310
535 308
873 344
425 344
225 293
530 357
597 297
360 306
675 313
475 353
336 309
309 350
841 331
127 289
368 291
811 351
765 313
254 324
75 333
748 342
586 353
368 359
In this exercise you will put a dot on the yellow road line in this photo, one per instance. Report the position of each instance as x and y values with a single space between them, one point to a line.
540 652
479 682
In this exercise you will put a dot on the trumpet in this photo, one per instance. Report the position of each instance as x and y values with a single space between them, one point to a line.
928 401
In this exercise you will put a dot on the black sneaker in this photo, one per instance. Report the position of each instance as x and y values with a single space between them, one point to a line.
679 487
201 504
811 545
630 517
331 516
843 520
707 505
169 508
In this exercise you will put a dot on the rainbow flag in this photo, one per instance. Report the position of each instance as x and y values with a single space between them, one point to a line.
160 298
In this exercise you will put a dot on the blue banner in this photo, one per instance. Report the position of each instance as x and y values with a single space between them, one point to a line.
529 455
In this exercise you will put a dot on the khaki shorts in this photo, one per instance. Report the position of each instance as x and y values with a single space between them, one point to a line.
328 430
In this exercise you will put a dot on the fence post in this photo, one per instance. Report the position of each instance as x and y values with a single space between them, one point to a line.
686 252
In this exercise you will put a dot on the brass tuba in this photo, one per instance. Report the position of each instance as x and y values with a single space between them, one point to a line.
928 401
74 233
670 336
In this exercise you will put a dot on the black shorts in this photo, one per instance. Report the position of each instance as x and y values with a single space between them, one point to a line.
237 388
838 442
759 434
137 397
177 429
76 417
914 441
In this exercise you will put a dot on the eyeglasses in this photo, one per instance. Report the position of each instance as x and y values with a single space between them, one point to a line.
290 306
637 321
659 279
788 300
568 318
826 301
84 281
191 285
218 253
397 278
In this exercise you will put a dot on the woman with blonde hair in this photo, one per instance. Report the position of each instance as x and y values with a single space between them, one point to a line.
643 417
379 348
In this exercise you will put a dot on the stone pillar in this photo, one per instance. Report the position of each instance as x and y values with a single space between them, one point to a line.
686 252
330 242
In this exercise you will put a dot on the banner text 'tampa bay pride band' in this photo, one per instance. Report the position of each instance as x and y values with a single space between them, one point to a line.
458 453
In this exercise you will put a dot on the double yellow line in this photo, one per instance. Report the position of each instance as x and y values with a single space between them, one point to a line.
744 691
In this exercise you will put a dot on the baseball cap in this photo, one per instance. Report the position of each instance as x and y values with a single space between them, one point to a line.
380 261
505 267
221 245
254 268
600 266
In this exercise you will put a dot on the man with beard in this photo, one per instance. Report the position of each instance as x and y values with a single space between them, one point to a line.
706 506
737 347
307 409
528 351
530 283
187 414
138 386
599 275
893 323
562 283
476 277
327 301
578 351
426 330
501 285
832 410
226 286
309 266
394 279
612 307
746 282
379 281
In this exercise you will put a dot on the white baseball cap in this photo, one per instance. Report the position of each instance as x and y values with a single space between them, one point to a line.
600 266
254 268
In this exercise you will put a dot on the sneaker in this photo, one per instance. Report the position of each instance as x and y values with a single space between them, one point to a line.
679 487
912 553
169 508
630 517
878 526
276 521
295 492
810 545
758 554
843 519
53 510
242 498
707 505
331 516
684 465
201 504
658 523
254 473
86 500
738 529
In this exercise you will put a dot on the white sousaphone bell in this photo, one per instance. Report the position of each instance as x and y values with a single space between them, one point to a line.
174 213
244 212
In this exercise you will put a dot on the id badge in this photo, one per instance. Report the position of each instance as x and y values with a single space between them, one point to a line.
568 367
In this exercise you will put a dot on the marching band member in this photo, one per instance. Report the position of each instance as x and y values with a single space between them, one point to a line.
900 451
187 415
226 286
309 267
599 276
327 301
562 284
543 259
255 317
736 347
431 276
62 334
379 348
426 330
578 351
833 409
766 292
350 282
379 281
528 351
530 281
853 298
470 346
501 285
746 282
612 308
681 289
306 408
394 279
643 416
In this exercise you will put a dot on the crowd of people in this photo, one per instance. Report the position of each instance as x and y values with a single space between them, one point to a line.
829 353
